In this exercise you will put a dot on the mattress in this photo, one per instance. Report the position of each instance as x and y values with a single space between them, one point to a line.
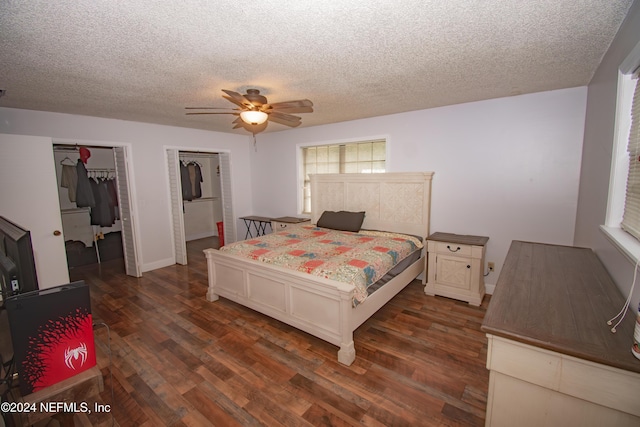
399 268
360 259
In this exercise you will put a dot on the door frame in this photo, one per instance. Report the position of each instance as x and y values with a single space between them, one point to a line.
130 185
174 191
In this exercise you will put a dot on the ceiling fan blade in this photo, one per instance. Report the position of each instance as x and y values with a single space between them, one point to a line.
288 104
188 114
237 98
211 108
293 109
239 104
285 119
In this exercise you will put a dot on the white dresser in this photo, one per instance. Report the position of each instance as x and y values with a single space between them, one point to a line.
552 358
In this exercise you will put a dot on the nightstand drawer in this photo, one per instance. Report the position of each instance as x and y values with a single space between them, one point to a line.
284 222
279 226
453 248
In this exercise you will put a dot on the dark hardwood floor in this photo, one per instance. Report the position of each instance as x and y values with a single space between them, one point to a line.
177 359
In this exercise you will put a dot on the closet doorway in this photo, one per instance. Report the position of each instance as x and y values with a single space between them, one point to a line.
95 204
201 203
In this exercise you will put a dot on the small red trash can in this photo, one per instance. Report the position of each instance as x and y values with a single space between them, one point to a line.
220 233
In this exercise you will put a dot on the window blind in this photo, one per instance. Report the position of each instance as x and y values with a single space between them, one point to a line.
631 217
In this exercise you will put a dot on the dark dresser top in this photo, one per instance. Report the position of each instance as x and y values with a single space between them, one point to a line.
559 298
461 239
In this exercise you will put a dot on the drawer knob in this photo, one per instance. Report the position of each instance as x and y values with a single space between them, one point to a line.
449 247
468 266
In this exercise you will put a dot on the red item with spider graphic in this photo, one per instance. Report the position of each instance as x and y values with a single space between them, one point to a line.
52 334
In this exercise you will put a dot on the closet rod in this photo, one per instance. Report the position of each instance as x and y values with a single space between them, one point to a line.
76 147
185 156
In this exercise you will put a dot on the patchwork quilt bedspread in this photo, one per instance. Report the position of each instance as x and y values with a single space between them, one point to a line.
359 258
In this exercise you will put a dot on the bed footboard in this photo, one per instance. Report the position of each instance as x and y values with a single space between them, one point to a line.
320 307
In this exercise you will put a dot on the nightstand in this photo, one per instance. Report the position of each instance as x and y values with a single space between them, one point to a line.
279 224
455 266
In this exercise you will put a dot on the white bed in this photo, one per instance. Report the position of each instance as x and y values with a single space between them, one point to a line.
398 202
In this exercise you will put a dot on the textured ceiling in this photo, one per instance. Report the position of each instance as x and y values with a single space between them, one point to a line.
145 60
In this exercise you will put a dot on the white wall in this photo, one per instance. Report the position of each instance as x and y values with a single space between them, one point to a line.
596 161
505 168
150 183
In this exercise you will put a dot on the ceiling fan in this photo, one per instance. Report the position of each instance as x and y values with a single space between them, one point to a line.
254 112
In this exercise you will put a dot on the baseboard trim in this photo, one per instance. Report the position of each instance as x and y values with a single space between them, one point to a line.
157 264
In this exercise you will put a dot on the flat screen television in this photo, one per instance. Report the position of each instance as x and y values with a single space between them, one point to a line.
17 265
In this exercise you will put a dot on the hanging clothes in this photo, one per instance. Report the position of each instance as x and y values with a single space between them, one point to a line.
198 193
84 193
186 182
103 212
113 197
195 176
69 180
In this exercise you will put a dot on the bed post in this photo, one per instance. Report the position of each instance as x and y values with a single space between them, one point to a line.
211 295
347 352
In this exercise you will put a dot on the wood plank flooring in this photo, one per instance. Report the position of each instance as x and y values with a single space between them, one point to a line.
177 359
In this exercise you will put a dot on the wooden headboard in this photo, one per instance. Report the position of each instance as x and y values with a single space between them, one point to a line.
399 202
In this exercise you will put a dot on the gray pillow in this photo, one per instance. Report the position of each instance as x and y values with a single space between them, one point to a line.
343 220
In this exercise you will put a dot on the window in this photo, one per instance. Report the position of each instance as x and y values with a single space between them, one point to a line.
622 226
354 157
631 217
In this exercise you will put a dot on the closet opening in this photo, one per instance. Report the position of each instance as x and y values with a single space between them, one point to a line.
200 199
95 206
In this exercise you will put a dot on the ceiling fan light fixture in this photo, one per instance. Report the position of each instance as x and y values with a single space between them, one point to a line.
254 117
